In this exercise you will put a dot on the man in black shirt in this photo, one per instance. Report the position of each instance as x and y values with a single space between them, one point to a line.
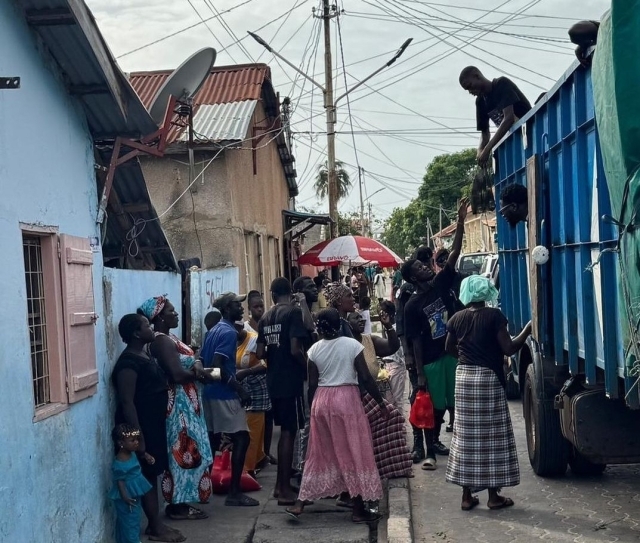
425 255
426 314
281 336
499 100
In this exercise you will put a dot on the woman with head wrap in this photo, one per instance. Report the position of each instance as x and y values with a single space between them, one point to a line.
483 449
340 297
188 477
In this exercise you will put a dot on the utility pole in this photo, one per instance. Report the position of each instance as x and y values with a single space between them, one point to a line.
330 104
330 112
360 181
370 218
440 213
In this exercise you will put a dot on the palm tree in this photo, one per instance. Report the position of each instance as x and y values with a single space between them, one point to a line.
322 181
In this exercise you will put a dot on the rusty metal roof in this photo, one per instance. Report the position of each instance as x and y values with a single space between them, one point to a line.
224 106
224 84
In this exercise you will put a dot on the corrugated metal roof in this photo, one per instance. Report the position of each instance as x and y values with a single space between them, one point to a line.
238 88
68 30
222 122
224 84
90 72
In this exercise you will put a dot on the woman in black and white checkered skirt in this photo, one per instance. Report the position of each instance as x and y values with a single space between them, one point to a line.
483 449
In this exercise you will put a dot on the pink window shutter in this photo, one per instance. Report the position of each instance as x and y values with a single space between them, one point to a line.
76 262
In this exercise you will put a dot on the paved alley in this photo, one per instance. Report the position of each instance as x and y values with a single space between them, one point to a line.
569 509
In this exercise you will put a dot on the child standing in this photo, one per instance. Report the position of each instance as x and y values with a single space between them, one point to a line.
129 485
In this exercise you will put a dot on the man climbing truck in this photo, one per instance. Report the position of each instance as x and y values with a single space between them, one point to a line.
572 265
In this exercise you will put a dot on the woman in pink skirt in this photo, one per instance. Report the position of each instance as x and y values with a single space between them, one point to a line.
340 454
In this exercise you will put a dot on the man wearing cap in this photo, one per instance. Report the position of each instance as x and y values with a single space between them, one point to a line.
224 401
281 338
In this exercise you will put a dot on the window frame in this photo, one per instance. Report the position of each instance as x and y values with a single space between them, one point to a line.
51 277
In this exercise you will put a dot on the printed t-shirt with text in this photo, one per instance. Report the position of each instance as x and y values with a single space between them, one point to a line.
285 374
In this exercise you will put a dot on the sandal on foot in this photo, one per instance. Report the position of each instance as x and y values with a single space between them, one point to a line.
369 517
241 501
192 513
293 514
506 502
469 506
430 464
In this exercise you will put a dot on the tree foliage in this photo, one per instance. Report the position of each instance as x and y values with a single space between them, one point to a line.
321 184
447 179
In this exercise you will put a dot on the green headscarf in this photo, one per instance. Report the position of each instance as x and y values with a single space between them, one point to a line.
476 288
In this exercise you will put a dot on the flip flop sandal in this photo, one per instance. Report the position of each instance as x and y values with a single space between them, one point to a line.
430 464
242 501
293 515
193 513
474 502
370 517
507 502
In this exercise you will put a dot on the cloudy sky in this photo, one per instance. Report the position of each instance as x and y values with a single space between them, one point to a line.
403 117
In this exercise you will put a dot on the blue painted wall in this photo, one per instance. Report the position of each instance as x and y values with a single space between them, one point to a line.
54 473
125 290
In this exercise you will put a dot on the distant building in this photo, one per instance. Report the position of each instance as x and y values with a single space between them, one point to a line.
232 215
479 234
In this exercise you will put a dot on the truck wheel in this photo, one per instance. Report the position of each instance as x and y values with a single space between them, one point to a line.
548 449
513 389
580 465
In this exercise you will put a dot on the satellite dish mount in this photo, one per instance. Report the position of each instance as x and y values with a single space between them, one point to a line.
171 106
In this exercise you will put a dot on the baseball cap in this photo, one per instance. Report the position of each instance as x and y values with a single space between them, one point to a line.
222 301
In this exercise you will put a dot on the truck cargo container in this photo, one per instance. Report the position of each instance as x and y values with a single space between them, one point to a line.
580 396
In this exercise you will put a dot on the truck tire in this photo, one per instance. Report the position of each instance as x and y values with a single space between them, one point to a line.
513 388
580 465
548 449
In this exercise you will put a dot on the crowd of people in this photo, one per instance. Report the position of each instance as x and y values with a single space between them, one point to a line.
311 366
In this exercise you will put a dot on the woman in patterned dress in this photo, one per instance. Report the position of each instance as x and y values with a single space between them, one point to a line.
190 457
392 454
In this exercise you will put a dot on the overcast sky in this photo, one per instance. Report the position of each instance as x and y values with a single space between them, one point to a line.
407 114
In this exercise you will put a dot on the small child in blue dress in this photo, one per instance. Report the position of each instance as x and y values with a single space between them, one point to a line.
129 483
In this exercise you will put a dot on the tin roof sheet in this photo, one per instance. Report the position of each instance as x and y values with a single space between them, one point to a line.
222 122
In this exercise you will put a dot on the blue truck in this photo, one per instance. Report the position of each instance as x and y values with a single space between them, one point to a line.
578 386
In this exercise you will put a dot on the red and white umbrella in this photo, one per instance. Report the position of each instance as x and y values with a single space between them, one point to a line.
349 249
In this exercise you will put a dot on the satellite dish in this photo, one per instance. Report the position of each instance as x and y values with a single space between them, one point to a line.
184 82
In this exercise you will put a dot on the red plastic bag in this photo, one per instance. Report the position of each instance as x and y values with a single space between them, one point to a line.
221 476
421 415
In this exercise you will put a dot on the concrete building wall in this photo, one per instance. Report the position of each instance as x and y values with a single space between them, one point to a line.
55 472
125 290
238 214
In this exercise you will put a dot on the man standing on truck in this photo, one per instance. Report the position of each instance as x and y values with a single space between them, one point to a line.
425 320
499 100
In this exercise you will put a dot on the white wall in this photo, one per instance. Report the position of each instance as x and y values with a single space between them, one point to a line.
205 287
